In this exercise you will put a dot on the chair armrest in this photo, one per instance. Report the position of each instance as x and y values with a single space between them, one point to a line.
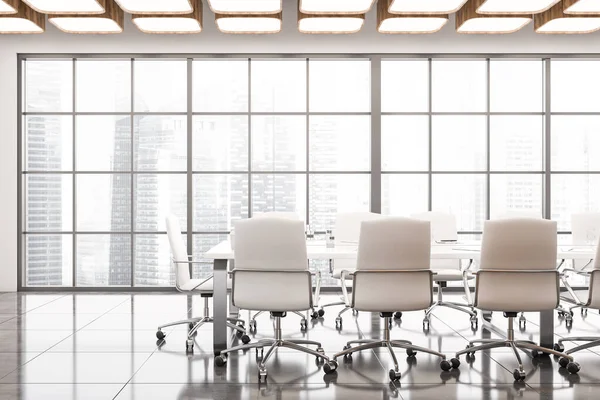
468 267
201 283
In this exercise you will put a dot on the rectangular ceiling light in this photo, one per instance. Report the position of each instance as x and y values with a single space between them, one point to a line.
9 6
25 20
468 21
67 6
555 20
171 23
335 6
407 23
245 6
156 6
515 6
582 6
425 7
111 21
248 24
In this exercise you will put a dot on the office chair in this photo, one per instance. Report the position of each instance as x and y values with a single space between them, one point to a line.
443 229
275 214
346 232
271 274
185 284
593 301
585 228
392 273
517 274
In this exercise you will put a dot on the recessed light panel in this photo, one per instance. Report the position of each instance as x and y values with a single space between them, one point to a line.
425 6
245 6
469 21
156 6
335 6
9 6
171 23
111 21
582 6
248 24
555 20
67 6
25 20
407 23
515 6
329 23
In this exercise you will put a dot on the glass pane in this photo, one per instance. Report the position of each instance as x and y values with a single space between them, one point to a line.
160 86
103 143
279 85
220 85
279 143
516 143
340 86
49 260
331 194
575 143
404 194
340 143
49 202
405 85
462 195
518 195
459 143
279 192
153 265
103 85
575 85
103 260
218 200
404 143
516 86
573 194
104 202
160 143
156 197
48 143
49 85
459 85
220 143
203 243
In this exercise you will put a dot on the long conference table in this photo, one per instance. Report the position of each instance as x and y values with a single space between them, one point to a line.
223 261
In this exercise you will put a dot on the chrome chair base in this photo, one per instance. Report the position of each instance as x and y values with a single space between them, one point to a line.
466 308
252 319
593 341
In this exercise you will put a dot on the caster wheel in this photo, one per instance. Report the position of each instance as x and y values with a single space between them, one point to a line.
338 323
189 346
522 325
474 323
426 324
320 350
303 327
330 367
455 363
397 315
347 356
262 352
559 347
220 360
354 312
561 314
262 375
321 312
394 375
245 339
191 325
564 362
160 335
518 375
314 315
571 313
411 352
445 365
573 367
568 323
252 326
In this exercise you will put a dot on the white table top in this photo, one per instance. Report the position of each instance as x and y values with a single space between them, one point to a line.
455 251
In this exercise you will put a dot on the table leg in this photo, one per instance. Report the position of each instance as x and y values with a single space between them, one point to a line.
220 337
234 312
547 328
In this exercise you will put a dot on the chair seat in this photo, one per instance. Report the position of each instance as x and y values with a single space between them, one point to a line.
206 287
446 275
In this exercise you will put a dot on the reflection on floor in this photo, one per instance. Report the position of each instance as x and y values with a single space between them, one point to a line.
103 346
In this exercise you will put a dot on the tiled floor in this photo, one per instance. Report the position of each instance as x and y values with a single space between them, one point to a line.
103 346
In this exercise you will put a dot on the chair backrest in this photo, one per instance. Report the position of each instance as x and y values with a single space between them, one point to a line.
347 225
443 225
518 266
392 271
585 228
271 268
512 214
277 214
178 250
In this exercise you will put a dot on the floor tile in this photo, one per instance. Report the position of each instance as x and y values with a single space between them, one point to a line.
11 361
49 322
15 341
57 391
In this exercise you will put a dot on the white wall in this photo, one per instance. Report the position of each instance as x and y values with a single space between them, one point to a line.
213 42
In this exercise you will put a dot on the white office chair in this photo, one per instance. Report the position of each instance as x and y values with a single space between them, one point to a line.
593 301
517 273
275 214
585 229
443 229
346 232
271 274
186 284
392 273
